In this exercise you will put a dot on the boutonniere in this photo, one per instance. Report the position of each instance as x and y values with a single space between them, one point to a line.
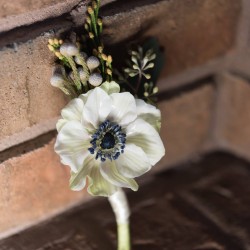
109 131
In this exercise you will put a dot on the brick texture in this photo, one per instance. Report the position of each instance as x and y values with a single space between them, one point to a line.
186 31
235 93
34 186
23 6
25 87
232 115
186 124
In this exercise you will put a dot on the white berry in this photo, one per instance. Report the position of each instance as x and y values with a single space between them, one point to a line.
57 81
69 49
93 62
95 79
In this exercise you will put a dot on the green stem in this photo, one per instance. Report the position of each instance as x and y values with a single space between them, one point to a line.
83 64
86 70
123 236
68 85
94 24
138 83
98 8
77 79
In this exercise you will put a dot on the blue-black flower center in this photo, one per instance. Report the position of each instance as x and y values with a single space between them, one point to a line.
108 141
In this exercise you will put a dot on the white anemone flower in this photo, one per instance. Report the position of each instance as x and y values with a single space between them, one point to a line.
108 140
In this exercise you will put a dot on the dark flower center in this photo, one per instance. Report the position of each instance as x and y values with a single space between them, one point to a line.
108 141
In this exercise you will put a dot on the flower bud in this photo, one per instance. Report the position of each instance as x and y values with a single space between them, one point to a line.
151 65
59 55
56 41
104 57
93 62
88 20
57 80
51 41
82 55
91 35
95 79
51 48
94 4
110 59
109 72
90 10
69 49
99 21
83 75
155 90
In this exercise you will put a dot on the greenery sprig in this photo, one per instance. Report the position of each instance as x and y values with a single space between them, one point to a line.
139 76
82 67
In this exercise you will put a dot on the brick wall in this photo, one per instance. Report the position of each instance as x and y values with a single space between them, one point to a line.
204 90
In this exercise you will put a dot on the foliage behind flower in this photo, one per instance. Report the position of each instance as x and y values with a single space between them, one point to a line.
108 139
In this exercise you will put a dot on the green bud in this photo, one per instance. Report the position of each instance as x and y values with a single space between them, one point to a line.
155 90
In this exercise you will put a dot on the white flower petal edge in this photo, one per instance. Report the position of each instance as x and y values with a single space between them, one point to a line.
143 135
98 185
134 162
97 107
72 144
78 180
108 140
60 124
72 112
149 113
109 172
123 108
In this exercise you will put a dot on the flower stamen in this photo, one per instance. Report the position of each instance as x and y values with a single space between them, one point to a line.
108 142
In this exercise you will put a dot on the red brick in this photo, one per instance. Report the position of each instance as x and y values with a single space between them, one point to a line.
191 32
34 187
17 7
186 122
232 115
26 96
